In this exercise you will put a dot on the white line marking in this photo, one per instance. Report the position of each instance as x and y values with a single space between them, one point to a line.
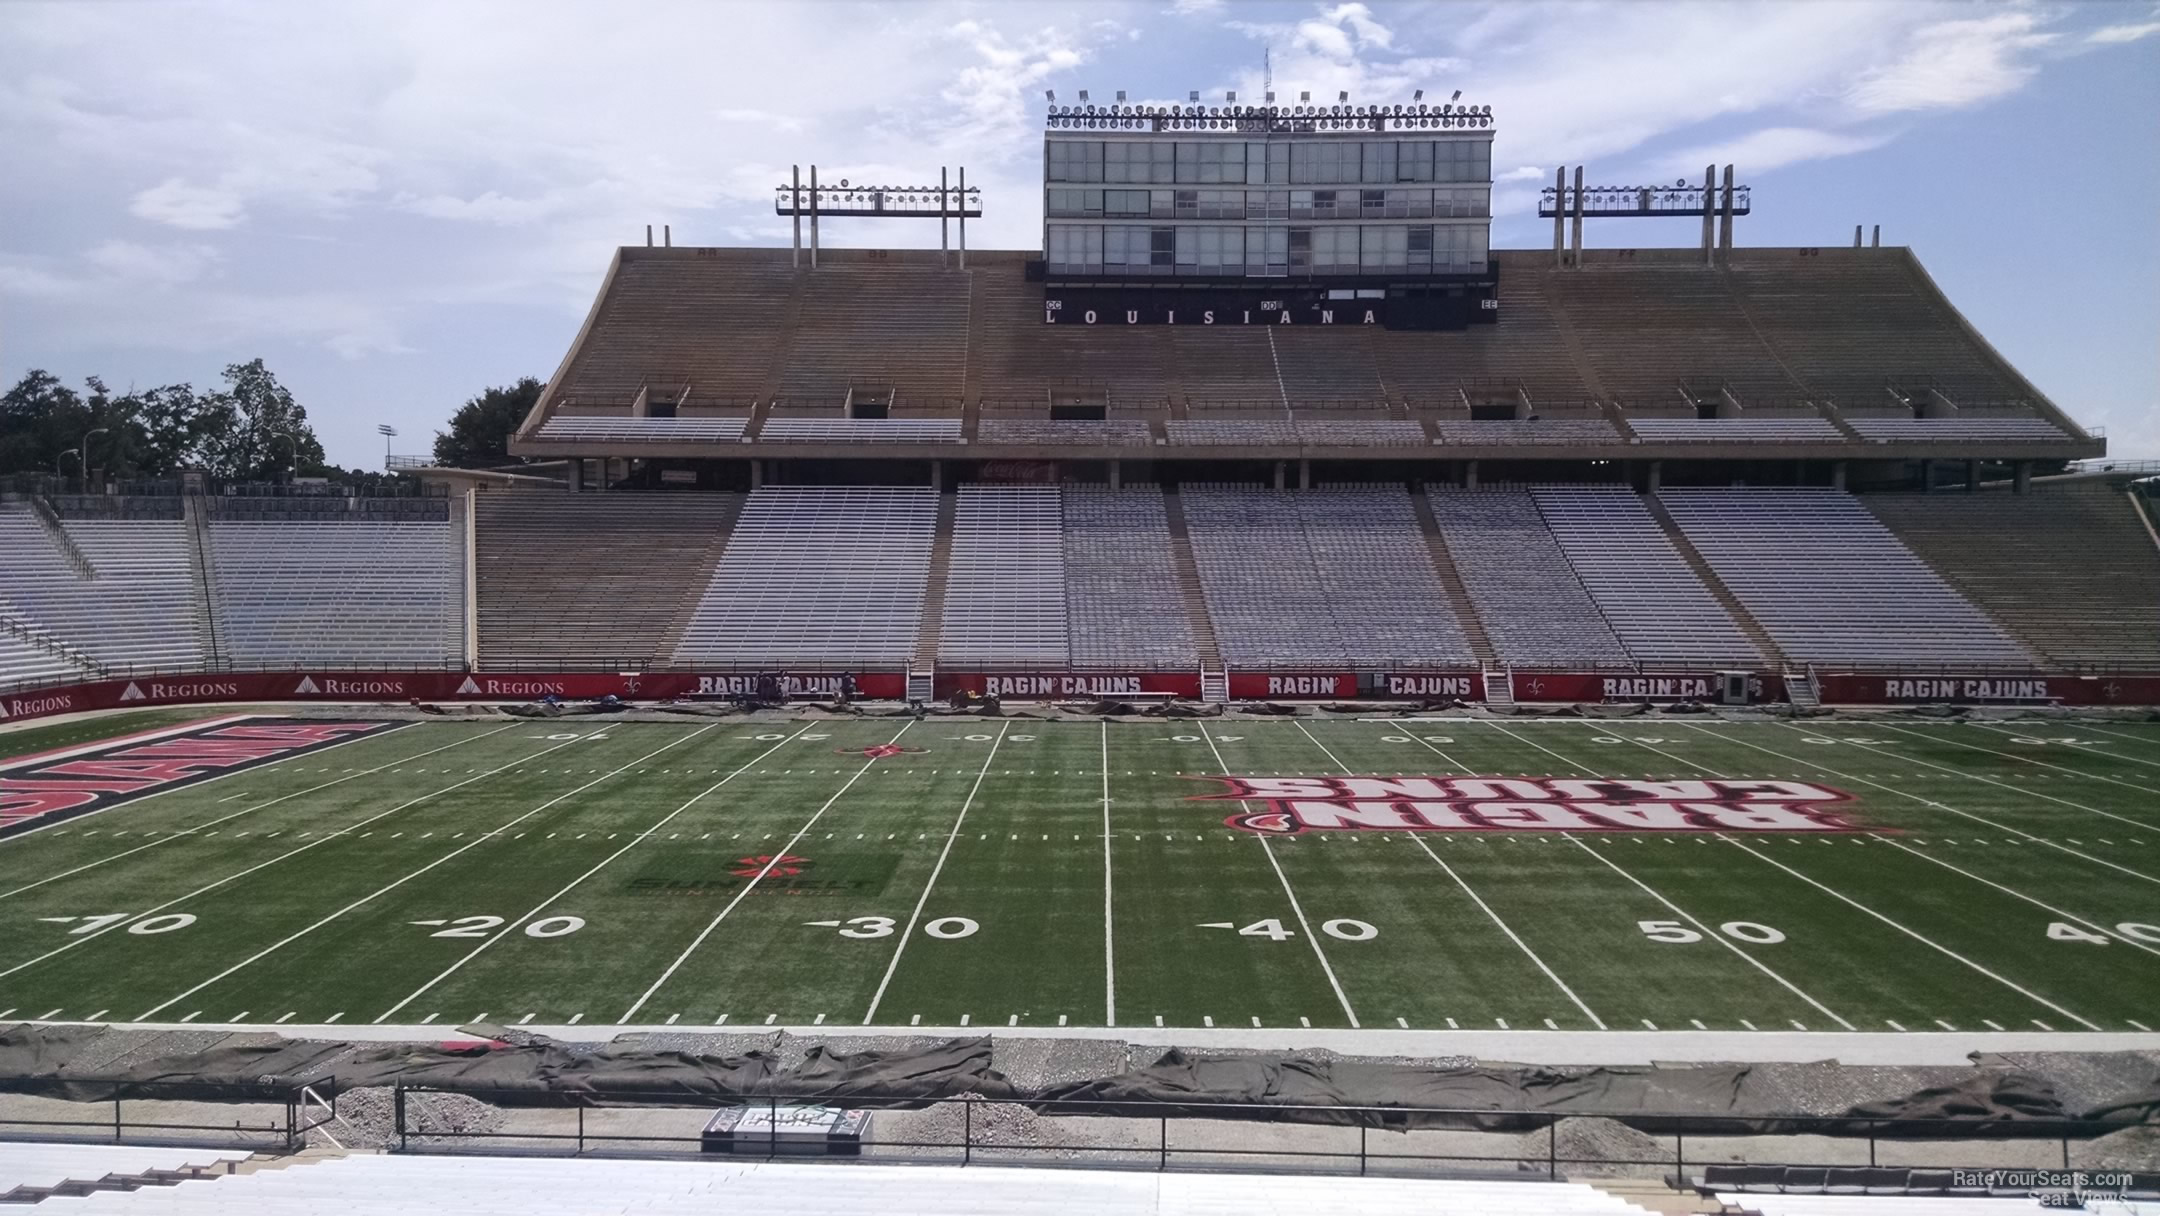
915 916
2075 751
2094 925
1449 870
750 886
1989 751
208 887
383 890
1268 850
1109 953
248 810
574 883
1925 941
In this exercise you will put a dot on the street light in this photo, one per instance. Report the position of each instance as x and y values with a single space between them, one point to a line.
75 452
292 467
387 431
84 453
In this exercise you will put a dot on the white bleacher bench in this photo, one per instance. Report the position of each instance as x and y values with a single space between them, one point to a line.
1728 430
1940 430
1005 590
861 430
1508 433
656 430
1108 433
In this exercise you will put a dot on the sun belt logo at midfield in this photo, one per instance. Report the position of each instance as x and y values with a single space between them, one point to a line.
1528 804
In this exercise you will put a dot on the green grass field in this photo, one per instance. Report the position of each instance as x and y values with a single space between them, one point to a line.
997 873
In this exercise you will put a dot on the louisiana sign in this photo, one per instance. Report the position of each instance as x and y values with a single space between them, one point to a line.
1527 804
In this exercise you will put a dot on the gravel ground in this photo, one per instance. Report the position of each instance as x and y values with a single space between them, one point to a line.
2133 1148
367 1117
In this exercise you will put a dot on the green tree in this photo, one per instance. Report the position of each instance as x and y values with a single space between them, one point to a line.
40 418
262 434
479 433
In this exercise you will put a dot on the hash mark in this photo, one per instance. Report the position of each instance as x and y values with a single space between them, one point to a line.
1944 1025
1697 1024
1402 1022
1552 1025
288 1017
575 1018
1650 1024
2042 1025
1158 1019
1895 1026
1207 1019
1991 1024
1746 1023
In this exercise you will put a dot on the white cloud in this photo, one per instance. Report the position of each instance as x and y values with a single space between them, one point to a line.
200 208
2109 35
1773 148
169 265
1197 8
1954 64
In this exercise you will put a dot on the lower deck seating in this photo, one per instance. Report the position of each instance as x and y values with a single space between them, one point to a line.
1121 586
373 595
2072 572
135 608
1005 590
1832 585
22 662
1534 608
817 576
1649 594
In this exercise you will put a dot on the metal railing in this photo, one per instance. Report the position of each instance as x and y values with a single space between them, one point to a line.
1279 1136
305 1107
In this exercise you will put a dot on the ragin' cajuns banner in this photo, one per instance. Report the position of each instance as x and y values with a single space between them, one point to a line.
1041 686
1294 805
1852 689
1578 688
39 790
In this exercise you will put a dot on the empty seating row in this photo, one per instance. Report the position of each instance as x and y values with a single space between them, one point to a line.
1121 584
1005 589
1534 608
1229 432
589 580
1377 433
656 430
1649 594
1730 430
360 594
1938 430
134 602
23 662
861 430
1511 433
1831 584
1390 608
1756 1181
30 1172
817 576
1113 432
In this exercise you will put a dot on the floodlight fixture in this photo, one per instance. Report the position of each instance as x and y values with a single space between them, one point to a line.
1304 95
1050 95
1192 95
1457 96
1417 95
1121 96
1343 95
1083 96
1231 96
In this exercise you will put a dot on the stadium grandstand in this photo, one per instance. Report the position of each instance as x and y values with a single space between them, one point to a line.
1265 404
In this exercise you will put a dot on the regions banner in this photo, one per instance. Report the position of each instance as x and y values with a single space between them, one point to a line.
1067 685
47 789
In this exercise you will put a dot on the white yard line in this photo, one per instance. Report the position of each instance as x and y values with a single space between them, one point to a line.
474 843
1972 776
1894 843
915 916
1109 953
1709 934
182 832
1319 952
1419 840
1932 944
755 879
2026 759
1819 767
2148 740
324 839
544 904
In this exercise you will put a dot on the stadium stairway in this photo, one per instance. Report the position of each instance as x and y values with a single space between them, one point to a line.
1451 578
922 665
49 520
205 572
1730 602
1212 674
694 591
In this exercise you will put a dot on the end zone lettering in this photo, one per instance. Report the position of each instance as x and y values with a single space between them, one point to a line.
96 779
1530 804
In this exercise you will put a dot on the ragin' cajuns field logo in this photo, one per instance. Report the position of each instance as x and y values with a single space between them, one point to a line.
1528 804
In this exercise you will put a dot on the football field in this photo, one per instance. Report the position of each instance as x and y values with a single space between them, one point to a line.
1666 873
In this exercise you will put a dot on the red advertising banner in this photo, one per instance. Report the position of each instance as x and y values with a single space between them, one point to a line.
1576 688
1049 686
1434 686
1260 686
1853 689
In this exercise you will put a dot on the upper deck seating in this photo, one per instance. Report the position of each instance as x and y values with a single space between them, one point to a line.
1534 608
1831 584
1230 432
141 609
1509 433
1118 432
1735 430
347 593
817 576
1324 432
860 430
1005 590
1649 594
1121 583
583 581
2071 571
659 430
1937 430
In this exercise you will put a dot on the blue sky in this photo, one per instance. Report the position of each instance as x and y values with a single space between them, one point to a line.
400 204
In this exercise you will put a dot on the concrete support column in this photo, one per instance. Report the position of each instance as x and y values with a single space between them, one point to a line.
1725 214
1837 474
1709 214
1559 217
1304 474
2021 473
1282 467
937 476
1972 476
1116 475
1577 259
577 474
1469 475
757 474
1656 478
1927 477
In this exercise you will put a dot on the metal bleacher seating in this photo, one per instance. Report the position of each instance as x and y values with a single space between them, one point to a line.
659 430
588 580
1121 585
1898 430
2071 571
1832 585
1731 430
860 430
1535 610
1320 578
1228 432
1112 432
24 662
471 1185
338 592
1526 431
1374 434
140 609
1005 590
33 1172
817 576
1649 594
